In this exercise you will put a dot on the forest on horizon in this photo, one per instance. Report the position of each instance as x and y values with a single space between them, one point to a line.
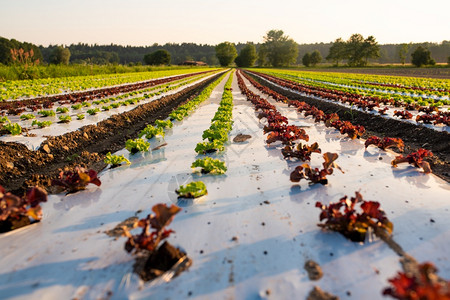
83 53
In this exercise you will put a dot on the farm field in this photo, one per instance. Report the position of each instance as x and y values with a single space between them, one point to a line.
84 113
20 89
255 234
442 73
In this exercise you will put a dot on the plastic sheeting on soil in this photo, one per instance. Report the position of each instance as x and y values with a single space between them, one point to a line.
251 234
388 114
41 134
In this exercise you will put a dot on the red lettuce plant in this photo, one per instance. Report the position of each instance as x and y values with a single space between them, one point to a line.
153 229
427 109
420 284
330 118
403 114
76 179
353 131
382 111
287 134
15 210
427 118
443 119
385 143
315 175
415 159
273 117
343 217
302 152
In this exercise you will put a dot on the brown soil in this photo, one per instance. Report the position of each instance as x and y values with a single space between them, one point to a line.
240 138
414 136
119 231
11 224
318 294
166 258
21 168
313 269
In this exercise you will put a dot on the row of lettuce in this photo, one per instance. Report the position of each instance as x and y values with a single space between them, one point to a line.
215 138
353 217
425 112
40 87
375 85
17 211
106 104
352 131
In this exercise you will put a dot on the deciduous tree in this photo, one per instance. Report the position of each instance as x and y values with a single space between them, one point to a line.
370 49
422 56
247 56
306 59
281 50
7 45
60 55
337 52
159 57
359 50
316 57
226 53
262 56
402 50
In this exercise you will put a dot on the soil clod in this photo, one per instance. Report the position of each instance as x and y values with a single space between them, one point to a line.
167 259
318 294
240 138
313 269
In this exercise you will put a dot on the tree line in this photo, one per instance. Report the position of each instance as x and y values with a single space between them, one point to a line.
280 50
277 49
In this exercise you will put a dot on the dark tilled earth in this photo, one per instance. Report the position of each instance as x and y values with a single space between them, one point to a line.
21 168
412 135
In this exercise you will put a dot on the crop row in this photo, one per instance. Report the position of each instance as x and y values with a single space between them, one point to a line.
16 107
184 110
363 102
42 87
353 217
221 123
352 131
153 232
436 98
140 145
412 85
344 216
106 104
16 211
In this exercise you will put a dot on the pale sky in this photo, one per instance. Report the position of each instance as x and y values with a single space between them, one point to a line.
144 22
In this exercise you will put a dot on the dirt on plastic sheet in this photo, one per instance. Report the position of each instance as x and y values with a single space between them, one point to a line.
166 258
